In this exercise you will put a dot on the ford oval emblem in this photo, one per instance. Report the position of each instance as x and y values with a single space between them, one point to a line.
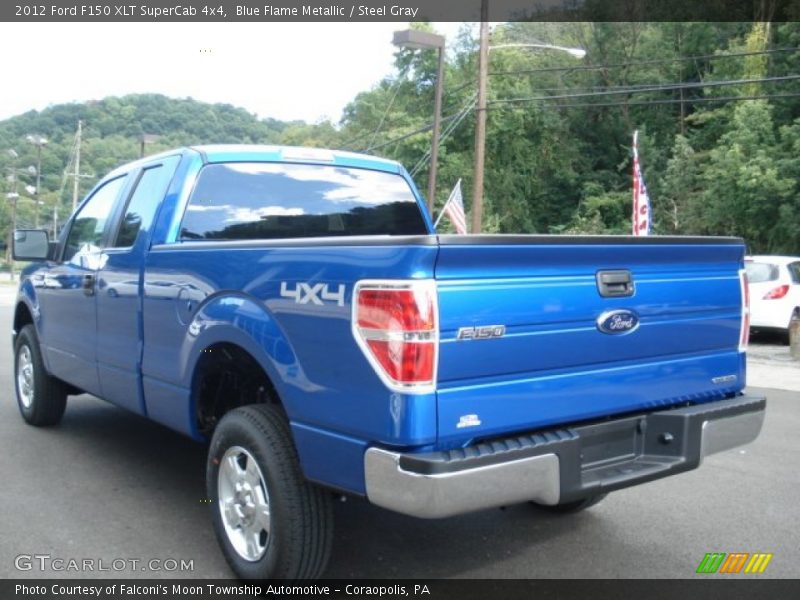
616 322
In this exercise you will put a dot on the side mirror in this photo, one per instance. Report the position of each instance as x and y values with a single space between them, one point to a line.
31 244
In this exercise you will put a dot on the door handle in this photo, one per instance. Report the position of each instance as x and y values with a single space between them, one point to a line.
88 284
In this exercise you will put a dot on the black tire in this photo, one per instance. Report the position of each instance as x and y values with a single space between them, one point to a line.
298 543
571 507
787 337
41 397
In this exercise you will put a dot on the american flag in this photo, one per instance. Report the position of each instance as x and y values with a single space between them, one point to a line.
454 209
641 218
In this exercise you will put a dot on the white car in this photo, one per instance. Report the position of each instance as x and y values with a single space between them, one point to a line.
774 291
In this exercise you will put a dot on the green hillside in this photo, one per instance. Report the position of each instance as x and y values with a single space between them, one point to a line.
112 133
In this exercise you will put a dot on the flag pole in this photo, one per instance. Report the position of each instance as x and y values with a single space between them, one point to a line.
635 204
642 214
441 212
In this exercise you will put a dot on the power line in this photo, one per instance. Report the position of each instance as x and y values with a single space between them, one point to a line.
427 127
620 65
673 101
668 87
633 88
449 130
351 141
598 88
656 88
397 86
367 134
643 62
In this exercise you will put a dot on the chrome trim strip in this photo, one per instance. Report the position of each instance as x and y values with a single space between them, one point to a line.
446 494
399 336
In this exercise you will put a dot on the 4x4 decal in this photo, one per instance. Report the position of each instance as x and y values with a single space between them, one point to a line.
314 293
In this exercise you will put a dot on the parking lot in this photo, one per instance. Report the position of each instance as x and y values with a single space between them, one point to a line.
109 485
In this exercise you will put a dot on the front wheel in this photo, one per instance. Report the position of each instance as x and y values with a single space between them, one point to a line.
572 507
41 397
270 522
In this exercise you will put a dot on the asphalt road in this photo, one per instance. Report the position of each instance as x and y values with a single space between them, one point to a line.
109 485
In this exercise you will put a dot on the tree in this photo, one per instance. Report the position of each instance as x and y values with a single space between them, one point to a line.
746 193
679 191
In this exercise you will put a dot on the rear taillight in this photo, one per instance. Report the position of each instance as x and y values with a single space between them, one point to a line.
396 326
744 332
776 293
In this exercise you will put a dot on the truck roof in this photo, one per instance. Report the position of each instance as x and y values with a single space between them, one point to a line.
218 153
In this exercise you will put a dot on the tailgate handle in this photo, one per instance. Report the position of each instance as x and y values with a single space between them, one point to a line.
615 284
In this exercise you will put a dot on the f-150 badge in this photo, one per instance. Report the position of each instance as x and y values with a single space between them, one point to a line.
486 332
313 293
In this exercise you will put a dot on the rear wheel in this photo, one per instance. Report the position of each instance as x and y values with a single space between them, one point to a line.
270 522
41 397
571 507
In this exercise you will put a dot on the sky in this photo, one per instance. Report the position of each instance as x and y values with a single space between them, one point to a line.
287 71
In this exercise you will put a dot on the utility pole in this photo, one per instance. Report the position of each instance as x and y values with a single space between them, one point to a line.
437 124
147 138
412 38
38 141
13 196
38 184
75 182
480 125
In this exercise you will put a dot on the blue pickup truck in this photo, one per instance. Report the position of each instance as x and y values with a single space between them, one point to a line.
296 310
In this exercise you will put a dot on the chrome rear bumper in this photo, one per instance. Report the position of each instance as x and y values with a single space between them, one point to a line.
560 465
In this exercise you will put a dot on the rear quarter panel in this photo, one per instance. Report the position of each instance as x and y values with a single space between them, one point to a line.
200 295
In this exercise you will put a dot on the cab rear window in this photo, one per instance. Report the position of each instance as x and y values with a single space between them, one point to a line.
256 201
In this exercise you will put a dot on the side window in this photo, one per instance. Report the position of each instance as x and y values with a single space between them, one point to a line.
142 206
761 272
794 271
87 229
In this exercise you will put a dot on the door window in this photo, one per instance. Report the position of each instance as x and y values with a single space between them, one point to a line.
142 207
88 226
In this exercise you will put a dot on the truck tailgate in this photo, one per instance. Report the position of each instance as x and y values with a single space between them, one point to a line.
539 355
